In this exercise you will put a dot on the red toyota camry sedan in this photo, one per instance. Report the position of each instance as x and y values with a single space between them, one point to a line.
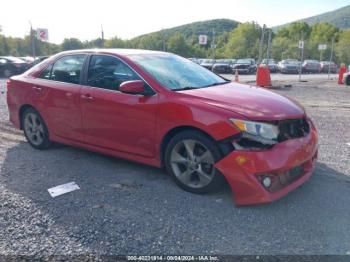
163 110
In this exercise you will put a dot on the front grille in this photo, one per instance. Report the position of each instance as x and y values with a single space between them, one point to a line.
294 128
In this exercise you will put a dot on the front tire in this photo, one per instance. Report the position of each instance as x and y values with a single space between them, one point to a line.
35 129
190 158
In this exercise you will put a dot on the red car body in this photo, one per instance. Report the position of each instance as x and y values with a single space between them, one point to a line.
137 127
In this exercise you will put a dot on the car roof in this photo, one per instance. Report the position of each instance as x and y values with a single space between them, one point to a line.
116 51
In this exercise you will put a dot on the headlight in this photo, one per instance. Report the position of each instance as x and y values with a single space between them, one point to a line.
265 132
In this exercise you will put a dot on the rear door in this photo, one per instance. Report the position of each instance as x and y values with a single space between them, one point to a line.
115 120
57 93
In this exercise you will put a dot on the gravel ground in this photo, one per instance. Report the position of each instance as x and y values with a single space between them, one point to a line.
128 208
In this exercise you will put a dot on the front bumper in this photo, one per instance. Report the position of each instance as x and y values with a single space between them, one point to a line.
242 169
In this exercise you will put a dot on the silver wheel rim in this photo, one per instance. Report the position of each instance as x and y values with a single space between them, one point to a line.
34 129
192 163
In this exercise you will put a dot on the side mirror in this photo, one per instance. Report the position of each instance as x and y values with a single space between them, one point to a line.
132 87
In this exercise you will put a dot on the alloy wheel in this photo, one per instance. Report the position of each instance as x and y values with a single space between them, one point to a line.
34 129
192 163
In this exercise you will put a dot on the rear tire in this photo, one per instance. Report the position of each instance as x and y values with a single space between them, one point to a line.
189 158
35 129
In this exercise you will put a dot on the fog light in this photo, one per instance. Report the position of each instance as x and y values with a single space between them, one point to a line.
266 181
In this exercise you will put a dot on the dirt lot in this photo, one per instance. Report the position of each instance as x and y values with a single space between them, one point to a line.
128 208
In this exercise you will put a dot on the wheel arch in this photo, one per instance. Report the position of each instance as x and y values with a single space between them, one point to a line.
174 131
21 111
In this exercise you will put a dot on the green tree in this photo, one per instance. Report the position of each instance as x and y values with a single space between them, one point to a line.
71 44
243 41
321 33
343 47
177 44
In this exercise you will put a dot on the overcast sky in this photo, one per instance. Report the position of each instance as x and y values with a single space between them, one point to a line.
130 18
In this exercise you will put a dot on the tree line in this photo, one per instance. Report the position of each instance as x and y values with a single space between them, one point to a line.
243 41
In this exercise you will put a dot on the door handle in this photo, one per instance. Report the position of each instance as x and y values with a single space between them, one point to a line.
37 89
87 97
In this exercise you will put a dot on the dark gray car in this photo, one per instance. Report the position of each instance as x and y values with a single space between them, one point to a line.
208 63
289 66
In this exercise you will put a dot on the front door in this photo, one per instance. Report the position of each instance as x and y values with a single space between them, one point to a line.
115 120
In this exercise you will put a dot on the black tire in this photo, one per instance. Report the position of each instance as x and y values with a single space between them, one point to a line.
42 131
347 80
217 178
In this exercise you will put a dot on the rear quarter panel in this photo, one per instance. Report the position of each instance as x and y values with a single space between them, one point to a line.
18 94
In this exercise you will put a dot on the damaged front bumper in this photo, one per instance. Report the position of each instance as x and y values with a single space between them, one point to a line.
287 165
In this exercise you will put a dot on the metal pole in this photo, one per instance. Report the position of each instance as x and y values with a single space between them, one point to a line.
163 39
302 58
261 43
331 58
269 47
32 39
213 44
102 36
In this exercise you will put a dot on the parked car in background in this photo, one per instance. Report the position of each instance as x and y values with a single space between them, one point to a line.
163 110
12 66
311 66
208 63
289 66
245 66
195 60
223 66
28 59
329 66
271 63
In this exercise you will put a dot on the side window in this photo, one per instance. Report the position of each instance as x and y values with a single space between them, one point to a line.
46 73
68 69
108 72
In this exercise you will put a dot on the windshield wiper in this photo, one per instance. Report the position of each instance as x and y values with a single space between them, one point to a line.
217 84
185 88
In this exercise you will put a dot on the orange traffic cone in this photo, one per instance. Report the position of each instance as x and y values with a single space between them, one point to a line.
263 77
342 71
236 76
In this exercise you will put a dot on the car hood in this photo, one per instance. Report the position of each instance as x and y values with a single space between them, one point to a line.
241 65
221 64
251 102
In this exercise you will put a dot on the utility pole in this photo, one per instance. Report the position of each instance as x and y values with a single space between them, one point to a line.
102 36
331 58
262 39
32 39
302 55
163 40
213 44
269 46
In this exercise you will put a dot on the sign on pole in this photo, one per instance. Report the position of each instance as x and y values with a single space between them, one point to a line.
322 47
301 44
203 39
42 34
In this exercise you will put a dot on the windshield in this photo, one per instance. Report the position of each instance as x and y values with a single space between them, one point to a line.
175 72
290 62
208 61
243 61
223 61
